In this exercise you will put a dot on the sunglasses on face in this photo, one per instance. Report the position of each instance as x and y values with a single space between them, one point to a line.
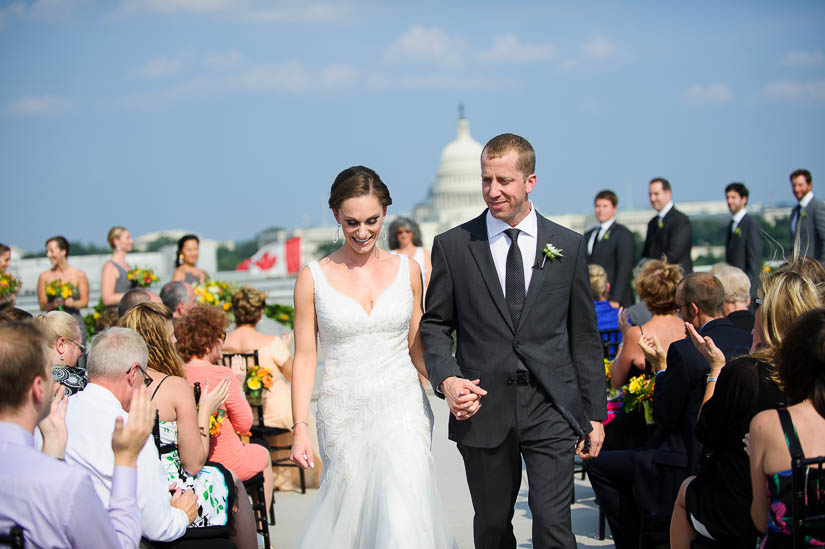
146 379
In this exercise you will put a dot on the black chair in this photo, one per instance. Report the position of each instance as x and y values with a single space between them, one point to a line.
13 539
808 498
611 339
255 488
263 431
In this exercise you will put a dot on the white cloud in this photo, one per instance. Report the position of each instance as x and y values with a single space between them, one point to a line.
338 75
804 58
41 105
423 44
285 77
795 90
228 60
598 48
713 93
310 12
159 67
40 9
508 47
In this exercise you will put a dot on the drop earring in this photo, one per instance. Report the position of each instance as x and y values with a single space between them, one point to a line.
384 232
61 357
336 236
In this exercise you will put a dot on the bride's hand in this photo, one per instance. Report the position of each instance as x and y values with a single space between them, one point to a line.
301 448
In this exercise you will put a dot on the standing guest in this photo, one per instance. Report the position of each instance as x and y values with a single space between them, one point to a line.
179 297
62 335
117 368
53 502
743 243
737 288
807 218
405 238
611 245
5 260
114 280
669 233
200 336
57 250
607 316
134 297
186 261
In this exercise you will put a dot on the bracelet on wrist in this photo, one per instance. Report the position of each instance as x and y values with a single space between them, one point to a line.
711 379
298 423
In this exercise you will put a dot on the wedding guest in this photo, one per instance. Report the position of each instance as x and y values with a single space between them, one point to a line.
52 501
669 232
179 297
611 245
5 260
184 426
114 281
13 314
108 318
62 334
405 238
810 268
57 250
656 286
200 336
117 367
638 313
743 240
186 261
134 297
797 429
607 316
273 353
807 218
737 287
716 502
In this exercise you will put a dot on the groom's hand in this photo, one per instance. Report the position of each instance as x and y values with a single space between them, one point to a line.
592 445
463 396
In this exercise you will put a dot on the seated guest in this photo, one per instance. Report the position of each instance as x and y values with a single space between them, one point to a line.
607 316
179 297
716 502
13 314
273 353
648 478
57 250
796 430
810 268
656 285
200 336
55 503
63 339
737 287
133 297
117 366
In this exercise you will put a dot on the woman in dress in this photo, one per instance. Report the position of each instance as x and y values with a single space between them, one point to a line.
184 426
273 353
5 260
379 487
405 238
65 349
114 280
186 261
57 250
200 335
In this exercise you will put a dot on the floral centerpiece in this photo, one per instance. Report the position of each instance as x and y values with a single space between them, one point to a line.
142 277
8 285
215 292
92 320
284 314
639 392
258 380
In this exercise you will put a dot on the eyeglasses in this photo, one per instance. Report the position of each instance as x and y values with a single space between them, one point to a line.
146 379
79 346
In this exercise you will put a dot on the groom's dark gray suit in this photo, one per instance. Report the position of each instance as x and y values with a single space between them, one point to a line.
556 340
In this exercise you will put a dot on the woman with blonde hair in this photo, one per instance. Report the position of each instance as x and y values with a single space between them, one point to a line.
57 250
184 425
65 348
114 280
273 352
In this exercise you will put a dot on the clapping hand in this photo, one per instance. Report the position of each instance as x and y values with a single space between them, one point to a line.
653 351
624 320
706 348
212 400
463 396
53 426
129 439
238 366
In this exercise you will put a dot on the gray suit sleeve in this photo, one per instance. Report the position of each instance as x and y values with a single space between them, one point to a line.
819 221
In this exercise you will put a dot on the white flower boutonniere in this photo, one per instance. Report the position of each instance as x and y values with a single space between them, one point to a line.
550 252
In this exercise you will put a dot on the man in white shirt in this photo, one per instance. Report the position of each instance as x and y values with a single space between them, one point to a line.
807 218
117 364
743 243
611 245
669 233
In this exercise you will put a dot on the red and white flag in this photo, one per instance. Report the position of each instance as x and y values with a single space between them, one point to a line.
278 258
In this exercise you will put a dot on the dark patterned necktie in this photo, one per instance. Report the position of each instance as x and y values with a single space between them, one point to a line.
514 277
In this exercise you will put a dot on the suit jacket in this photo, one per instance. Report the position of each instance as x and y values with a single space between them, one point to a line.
810 229
673 239
673 451
743 249
615 252
556 339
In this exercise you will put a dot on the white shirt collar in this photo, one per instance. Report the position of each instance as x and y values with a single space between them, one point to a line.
666 209
529 224
739 215
607 224
806 199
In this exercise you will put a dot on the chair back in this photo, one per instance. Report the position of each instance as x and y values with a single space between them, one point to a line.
13 539
808 499
251 360
610 342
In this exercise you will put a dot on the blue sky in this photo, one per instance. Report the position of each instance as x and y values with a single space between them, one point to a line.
224 118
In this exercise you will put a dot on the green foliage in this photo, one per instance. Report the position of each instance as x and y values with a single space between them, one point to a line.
229 259
75 248
327 248
284 314
160 242
777 238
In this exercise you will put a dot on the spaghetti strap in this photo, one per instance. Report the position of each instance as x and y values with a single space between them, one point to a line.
791 438
158 387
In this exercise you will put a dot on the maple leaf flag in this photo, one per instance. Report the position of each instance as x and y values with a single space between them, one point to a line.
276 259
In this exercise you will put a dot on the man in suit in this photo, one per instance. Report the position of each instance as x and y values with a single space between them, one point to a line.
669 233
648 478
611 245
514 287
743 243
807 218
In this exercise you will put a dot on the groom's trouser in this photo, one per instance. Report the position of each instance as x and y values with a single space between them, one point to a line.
546 442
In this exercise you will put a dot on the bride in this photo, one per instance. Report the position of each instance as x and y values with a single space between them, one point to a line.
378 487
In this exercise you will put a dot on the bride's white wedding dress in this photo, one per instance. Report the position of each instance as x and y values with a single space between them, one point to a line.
374 428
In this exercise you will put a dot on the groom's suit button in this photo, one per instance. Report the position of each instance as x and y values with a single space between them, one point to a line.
510 380
516 343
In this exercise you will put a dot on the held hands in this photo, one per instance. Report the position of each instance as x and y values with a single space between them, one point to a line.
463 396
301 448
213 399
53 426
653 351
129 439
238 365
184 500
706 348
590 447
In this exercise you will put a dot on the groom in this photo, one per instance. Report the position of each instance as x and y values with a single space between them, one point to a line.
527 380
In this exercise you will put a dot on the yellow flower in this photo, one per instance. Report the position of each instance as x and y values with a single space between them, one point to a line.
96 315
226 306
635 384
253 383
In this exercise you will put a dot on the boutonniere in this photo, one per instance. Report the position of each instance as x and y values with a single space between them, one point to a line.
550 252
660 223
605 236
804 213
738 232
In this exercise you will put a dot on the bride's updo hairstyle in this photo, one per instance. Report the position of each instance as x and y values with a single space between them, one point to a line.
358 181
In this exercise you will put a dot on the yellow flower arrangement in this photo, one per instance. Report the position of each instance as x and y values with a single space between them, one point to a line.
59 289
8 284
216 422
215 292
142 277
258 380
639 392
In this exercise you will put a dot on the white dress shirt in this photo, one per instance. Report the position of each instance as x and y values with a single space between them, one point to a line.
598 232
737 218
802 205
663 211
500 245
90 420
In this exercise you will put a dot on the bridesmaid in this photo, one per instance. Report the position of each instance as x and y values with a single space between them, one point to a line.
186 261
57 250
114 281
5 260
